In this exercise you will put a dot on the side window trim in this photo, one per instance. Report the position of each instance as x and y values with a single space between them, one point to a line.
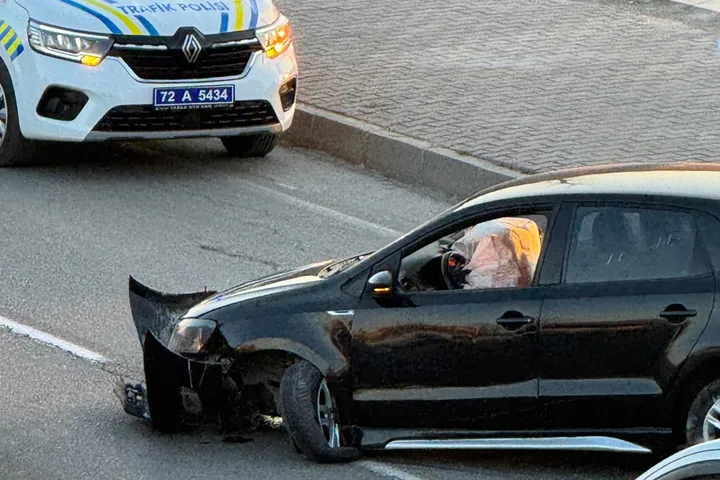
709 229
569 237
630 205
553 267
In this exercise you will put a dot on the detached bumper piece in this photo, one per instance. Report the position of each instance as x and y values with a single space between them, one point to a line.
145 118
133 398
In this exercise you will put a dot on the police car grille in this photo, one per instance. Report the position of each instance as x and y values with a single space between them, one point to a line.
144 118
228 61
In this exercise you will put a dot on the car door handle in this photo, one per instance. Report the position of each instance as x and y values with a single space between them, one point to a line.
514 320
677 314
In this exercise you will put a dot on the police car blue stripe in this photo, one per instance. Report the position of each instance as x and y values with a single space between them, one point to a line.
17 52
10 40
253 13
149 26
224 20
108 23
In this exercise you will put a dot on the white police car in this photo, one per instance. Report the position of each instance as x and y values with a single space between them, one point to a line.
90 70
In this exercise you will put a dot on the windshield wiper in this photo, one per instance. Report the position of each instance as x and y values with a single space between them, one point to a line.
341 265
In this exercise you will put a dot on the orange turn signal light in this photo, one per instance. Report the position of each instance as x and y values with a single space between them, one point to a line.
90 60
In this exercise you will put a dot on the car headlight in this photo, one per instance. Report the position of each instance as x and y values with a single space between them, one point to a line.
191 335
276 37
88 49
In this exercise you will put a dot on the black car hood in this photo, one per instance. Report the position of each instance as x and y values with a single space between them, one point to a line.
158 312
280 282
261 288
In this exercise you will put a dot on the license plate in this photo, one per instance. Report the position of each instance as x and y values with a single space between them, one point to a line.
187 97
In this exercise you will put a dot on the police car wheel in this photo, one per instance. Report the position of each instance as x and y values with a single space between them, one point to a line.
14 148
245 146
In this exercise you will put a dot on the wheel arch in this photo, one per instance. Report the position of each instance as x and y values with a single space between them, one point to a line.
20 67
275 346
17 18
260 366
694 376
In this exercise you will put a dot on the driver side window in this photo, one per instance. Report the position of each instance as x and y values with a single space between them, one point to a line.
499 253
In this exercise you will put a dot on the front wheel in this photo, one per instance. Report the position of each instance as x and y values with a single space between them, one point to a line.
245 146
310 415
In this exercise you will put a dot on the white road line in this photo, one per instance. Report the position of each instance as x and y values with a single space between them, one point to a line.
387 470
20 329
292 199
289 187
78 351
325 210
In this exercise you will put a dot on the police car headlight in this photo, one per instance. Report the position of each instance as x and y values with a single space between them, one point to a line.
191 335
276 37
86 48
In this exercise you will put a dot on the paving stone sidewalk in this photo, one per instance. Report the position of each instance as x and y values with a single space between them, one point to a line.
533 85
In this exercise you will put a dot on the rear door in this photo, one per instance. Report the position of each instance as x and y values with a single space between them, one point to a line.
637 290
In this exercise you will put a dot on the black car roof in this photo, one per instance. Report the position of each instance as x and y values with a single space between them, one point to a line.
687 179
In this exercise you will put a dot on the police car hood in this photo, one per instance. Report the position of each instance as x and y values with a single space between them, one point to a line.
146 17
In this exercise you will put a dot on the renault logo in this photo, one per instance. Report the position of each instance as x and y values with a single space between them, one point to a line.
191 48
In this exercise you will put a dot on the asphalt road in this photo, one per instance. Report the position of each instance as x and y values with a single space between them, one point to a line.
180 216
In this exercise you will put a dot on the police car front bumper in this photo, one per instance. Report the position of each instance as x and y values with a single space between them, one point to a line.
112 102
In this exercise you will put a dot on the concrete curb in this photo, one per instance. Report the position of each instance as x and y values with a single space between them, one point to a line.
396 156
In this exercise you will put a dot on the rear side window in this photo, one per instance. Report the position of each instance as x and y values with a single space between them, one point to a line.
619 244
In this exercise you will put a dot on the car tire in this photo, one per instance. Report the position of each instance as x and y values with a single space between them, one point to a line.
250 145
15 149
707 402
303 395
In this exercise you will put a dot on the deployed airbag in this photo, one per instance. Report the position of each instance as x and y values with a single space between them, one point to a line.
503 253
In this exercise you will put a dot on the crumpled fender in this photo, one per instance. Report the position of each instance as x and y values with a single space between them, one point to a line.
158 312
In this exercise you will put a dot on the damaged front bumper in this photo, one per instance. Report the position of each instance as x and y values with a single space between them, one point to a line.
177 384
176 388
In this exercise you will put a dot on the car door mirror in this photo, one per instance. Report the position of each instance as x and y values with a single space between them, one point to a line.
381 284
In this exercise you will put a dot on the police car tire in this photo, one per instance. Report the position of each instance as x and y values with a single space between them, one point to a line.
245 146
15 149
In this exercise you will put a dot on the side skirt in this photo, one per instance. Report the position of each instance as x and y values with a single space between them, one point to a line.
625 441
602 444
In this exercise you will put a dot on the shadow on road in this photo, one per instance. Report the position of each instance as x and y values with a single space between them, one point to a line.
149 156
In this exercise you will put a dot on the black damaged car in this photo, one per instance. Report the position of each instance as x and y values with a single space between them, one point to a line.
573 310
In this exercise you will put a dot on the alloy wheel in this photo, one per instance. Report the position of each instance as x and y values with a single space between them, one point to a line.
711 424
326 416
